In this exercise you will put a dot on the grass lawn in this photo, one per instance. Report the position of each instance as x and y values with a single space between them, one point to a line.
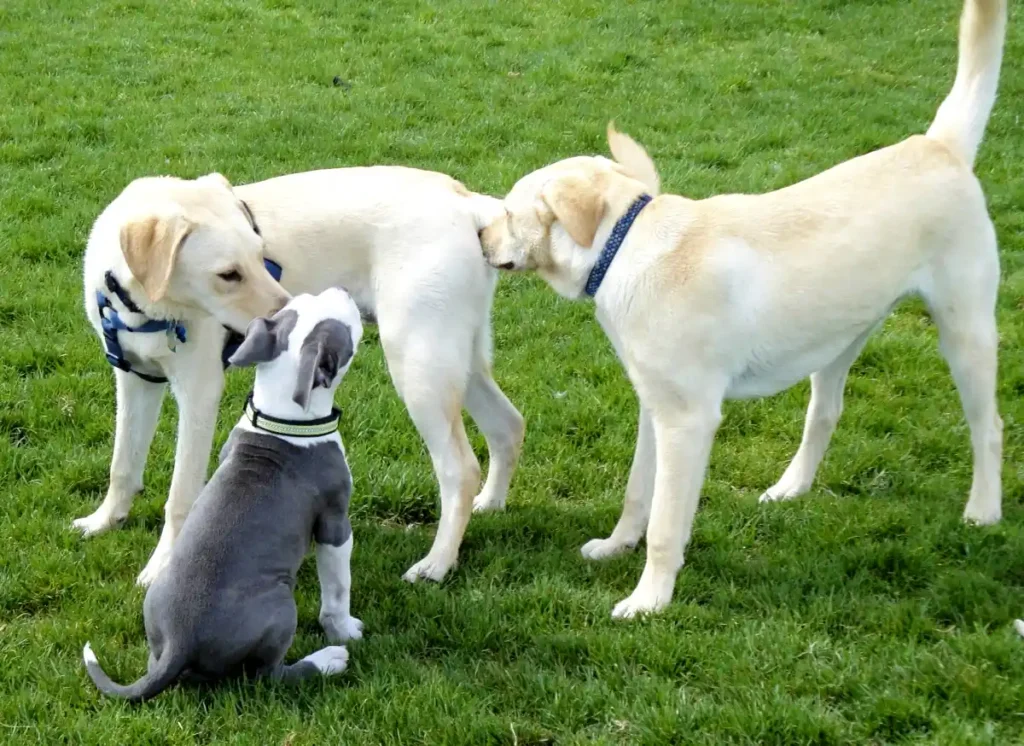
864 613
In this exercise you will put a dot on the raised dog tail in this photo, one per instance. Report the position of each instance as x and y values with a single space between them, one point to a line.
158 678
961 119
633 159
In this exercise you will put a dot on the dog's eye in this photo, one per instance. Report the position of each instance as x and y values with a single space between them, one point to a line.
230 276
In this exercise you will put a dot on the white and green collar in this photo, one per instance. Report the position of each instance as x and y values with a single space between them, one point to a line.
291 428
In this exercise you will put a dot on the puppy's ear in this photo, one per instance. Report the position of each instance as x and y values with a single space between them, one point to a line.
150 246
265 339
577 204
325 351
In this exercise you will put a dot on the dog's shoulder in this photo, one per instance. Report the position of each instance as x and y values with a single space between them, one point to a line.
327 462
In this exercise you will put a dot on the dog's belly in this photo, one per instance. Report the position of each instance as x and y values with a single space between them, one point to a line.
768 374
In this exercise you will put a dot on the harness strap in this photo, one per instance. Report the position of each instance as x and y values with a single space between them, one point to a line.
112 323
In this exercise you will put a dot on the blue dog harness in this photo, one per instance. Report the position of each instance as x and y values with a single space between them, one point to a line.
112 323
611 247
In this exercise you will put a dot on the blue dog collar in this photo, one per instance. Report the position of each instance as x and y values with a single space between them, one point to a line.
611 247
112 323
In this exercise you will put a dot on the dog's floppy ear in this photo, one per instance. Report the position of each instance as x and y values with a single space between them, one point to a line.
265 339
150 246
577 204
325 351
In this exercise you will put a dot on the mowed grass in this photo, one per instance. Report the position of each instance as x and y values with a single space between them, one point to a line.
863 613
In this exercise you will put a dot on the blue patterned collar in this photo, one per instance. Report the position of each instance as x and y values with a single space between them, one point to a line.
611 247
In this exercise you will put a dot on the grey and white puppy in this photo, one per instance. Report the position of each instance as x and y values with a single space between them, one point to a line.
225 605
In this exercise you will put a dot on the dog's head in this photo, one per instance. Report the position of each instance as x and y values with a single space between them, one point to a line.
553 215
306 345
195 244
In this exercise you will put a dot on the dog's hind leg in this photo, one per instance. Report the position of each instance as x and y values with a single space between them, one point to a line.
962 302
138 411
500 422
431 377
329 661
823 413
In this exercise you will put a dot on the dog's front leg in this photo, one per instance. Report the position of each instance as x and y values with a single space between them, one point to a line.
197 382
334 568
138 411
639 490
683 436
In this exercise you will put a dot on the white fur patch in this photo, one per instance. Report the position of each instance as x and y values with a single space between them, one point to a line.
88 656
330 660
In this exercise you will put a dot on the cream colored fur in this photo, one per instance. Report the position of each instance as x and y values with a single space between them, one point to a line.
744 295
403 242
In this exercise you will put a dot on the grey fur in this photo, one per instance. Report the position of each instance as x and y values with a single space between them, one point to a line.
325 350
224 606
265 339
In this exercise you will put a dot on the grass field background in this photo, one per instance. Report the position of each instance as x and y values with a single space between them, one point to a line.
864 613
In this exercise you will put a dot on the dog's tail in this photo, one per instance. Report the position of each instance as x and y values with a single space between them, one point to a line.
158 678
634 160
961 119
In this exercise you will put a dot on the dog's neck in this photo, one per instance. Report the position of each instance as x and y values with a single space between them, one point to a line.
571 282
272 395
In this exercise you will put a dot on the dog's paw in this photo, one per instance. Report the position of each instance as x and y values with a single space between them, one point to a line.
156 565
1018 625
780 493
341 629
485 503
428 568
648 597
790 485
99 522
329 661
599 549
639 604
983 515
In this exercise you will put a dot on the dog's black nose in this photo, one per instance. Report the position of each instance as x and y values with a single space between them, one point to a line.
507 265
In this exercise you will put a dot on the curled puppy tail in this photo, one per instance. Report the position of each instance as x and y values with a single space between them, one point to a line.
166 671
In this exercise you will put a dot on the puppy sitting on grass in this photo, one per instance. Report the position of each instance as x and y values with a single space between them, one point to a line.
225 604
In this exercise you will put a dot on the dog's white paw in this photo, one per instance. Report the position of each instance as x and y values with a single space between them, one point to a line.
983 514
340 629
484 503
99 522
428 568
329 661
639 604
648 597
599 549
157 564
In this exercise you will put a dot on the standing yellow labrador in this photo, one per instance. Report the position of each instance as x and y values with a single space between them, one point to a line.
744 295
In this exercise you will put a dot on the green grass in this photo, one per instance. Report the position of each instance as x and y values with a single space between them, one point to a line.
865 613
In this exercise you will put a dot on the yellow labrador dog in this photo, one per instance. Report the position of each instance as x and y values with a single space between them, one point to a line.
744 295
175 269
